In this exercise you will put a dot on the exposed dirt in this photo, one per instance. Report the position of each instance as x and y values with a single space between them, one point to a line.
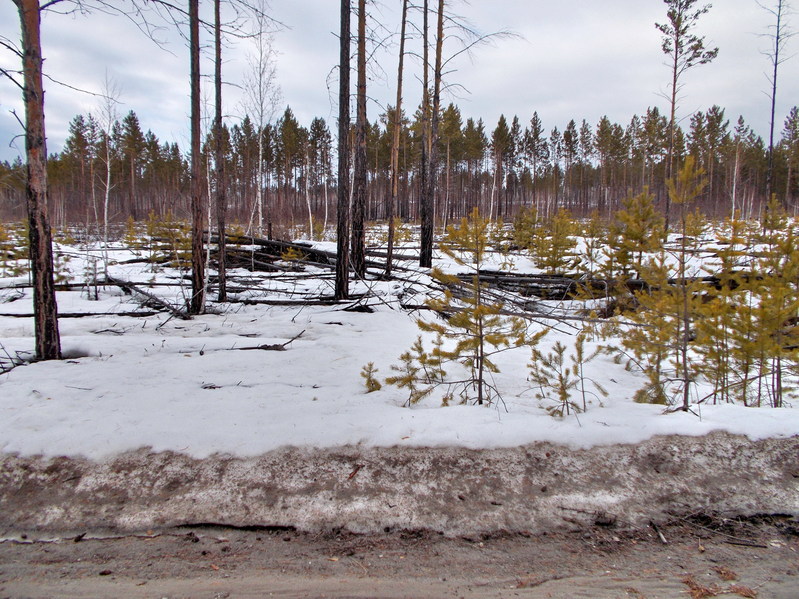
542 487
537 521
704 557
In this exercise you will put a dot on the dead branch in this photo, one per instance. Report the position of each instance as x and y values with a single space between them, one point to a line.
132 288
273 346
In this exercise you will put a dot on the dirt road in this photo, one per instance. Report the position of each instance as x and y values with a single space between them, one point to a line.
703 558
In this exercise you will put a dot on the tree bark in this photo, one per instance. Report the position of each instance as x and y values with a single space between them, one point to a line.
343 192
48 341
435 117
359 180
426 199
219 158
396 142
779 32
197 302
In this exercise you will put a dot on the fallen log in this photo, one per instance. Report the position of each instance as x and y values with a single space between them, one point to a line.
277 248
567 287
133 314
131 288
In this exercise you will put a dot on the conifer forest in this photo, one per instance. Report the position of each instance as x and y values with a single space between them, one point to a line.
499 168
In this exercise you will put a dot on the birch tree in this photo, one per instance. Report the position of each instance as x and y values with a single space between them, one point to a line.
262 96
219 157
108 118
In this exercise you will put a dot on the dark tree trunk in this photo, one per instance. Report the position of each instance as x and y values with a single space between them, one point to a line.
396 142
197 303
219 158
435 116
359 179
779 40
48 342
343 201
426 199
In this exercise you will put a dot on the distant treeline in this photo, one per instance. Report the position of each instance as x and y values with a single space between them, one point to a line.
516 164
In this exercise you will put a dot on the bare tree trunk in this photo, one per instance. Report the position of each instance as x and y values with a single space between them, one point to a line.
308 196
672 132
779 38
48 340
343 192
436 116
736 170
324 227
197 302
219 158
109 118
395 144
425 199
259 192
359 191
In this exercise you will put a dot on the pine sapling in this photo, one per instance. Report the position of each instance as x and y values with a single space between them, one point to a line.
368 373
470 328
553 248
408 374
561 378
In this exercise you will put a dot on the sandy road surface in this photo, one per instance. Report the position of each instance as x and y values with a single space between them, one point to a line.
703 558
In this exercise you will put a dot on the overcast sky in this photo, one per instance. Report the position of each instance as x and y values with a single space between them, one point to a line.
572 59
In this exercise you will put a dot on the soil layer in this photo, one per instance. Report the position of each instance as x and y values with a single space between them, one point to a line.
455 491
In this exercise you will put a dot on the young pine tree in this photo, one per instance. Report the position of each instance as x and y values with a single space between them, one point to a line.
553 248
562 379
594 236
476 327
473 328
669 306
637 231
721 317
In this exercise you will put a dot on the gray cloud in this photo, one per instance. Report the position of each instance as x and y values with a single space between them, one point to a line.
573 59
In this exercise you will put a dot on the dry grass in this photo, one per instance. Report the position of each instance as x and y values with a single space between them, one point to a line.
725 573
743 591
699 591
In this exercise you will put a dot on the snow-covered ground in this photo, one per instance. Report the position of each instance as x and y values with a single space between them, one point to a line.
193 387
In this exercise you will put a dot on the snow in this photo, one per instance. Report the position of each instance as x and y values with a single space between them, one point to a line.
190 387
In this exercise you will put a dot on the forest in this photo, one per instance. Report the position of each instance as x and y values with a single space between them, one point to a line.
676 237
400 343
499 169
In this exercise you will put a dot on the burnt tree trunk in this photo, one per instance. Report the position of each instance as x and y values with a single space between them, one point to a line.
396 143
219 157
48 341
435 121
359 175
197 303
343 193
425 199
